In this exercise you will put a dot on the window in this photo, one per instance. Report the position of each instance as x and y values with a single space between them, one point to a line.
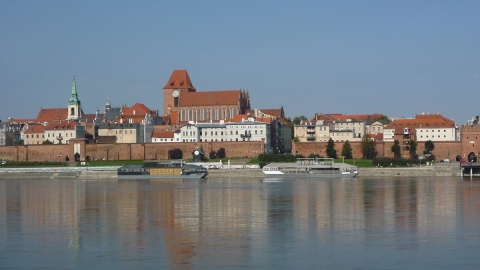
213 115
205 114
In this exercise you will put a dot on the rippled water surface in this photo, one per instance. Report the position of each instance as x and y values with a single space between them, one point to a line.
364 223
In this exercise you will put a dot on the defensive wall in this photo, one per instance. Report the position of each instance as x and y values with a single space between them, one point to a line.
141 151
468 144
442 149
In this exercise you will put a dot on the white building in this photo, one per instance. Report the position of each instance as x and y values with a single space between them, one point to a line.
245 130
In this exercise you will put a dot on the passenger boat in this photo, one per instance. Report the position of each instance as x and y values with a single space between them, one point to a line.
311 167
152 169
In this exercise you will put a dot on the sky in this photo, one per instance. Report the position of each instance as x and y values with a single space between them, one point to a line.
397 58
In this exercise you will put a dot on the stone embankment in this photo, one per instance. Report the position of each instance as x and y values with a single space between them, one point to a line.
110 172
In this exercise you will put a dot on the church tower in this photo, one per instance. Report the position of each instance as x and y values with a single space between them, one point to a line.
74 108
178 83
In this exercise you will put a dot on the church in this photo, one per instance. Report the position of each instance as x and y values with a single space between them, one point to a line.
182 103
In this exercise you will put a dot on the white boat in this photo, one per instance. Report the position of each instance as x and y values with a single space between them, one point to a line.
311 167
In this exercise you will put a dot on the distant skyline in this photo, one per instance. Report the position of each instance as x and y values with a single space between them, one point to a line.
398 58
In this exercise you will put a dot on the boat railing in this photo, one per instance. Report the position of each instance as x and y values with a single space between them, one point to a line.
315 161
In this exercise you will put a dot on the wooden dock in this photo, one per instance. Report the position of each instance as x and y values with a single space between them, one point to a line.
470 169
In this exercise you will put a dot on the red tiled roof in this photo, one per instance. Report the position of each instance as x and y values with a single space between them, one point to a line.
163 134
138 108
63 126
273 112
91 117
52 115
20 121
420 121
211 98
32 129
136 113
179 80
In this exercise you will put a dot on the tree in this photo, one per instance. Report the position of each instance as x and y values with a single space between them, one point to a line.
296 120
175 153
220 153
429 146
47 142
413 148
212 154
19 142
384 118
331 152
347 150
368 148
396 149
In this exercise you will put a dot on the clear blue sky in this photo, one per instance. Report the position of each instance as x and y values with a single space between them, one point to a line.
398 58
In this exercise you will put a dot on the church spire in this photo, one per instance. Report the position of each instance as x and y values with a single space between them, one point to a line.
74 108
74 97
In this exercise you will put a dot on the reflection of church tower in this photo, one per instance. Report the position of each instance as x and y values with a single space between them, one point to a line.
74 108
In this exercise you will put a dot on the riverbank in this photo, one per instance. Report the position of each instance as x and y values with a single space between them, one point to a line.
111 173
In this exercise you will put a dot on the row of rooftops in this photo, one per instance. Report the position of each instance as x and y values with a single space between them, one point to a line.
181 80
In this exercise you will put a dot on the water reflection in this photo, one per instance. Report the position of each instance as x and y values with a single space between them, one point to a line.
190 224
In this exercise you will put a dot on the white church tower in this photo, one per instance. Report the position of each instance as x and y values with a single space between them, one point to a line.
74 108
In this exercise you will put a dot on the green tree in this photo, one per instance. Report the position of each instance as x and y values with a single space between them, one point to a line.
413 148
296 120
347 150
47 142
368 148
19 142
384 118
396 149
220 153
331 152
429 146
212 154
175 153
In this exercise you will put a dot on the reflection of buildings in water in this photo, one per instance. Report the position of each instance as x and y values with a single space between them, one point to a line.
194 218
39 206
397 205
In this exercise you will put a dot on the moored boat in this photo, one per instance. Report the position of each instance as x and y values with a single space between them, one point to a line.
311 167
152 169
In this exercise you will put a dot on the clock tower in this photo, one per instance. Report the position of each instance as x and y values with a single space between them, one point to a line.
178 84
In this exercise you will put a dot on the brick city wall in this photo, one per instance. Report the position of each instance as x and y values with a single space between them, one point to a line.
125 151
320 148
442 149
233 149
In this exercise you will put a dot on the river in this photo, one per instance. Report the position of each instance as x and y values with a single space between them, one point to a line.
363 223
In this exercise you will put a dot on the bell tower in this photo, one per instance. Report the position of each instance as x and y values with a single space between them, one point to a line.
178 83
74 108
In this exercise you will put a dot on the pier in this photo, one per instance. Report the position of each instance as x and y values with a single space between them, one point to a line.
470 169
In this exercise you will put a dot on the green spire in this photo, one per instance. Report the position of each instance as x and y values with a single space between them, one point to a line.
74 98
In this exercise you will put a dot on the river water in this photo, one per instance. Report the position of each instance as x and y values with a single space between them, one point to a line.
364 223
